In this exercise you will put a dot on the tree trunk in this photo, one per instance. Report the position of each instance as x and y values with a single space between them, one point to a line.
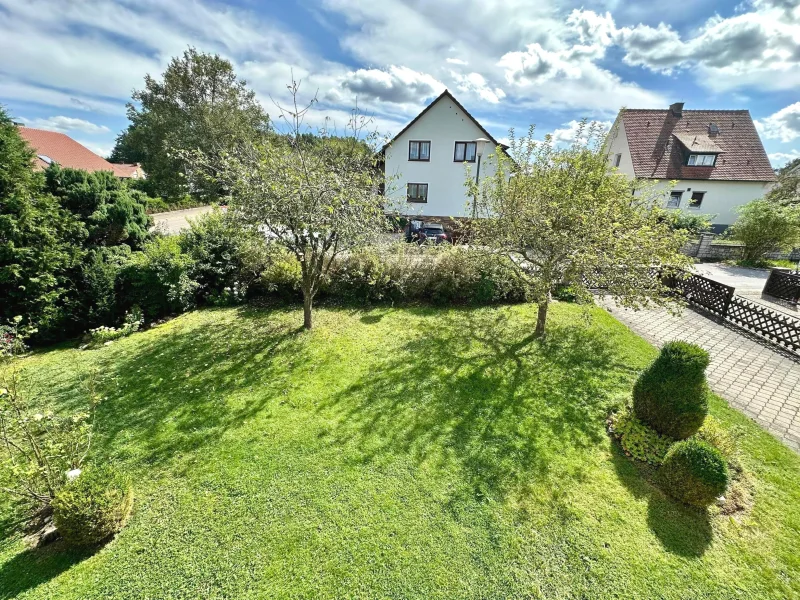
307 302
541 317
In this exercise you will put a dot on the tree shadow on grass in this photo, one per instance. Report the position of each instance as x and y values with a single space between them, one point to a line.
680 529
33 567
480 394
170 396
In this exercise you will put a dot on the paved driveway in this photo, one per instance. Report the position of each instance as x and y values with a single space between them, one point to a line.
760 381
174 221
748 282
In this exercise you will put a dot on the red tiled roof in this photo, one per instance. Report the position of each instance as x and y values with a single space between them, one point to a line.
128 170
657 139
63 150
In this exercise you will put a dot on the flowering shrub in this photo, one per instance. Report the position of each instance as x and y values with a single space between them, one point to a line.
37 448
133 321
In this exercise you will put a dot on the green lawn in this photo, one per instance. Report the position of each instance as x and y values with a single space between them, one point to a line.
396 453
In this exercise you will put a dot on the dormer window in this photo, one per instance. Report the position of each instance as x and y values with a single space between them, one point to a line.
702 160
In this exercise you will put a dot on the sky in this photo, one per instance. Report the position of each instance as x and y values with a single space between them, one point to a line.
71 65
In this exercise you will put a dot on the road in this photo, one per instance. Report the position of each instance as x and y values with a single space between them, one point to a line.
174 221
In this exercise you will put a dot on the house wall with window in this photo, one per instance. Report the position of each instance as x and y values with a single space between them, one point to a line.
619 155
437 184
720 198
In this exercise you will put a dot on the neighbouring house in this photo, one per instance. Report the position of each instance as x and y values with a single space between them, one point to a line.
54 147
715 157
424 163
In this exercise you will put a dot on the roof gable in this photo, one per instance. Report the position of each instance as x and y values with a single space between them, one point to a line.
659 140
445 94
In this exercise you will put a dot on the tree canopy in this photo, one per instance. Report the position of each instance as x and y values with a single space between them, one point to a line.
787 189
565 219
198 104
317 196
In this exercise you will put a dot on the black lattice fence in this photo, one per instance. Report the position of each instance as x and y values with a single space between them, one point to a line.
719 299
713 296
784 285
777 327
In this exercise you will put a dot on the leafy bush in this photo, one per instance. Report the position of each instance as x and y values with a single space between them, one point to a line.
92 507
671 395
101 268
766 226
281 276
637 439
226 258
113 213
158 279
694 472
440 274
133 321
692 223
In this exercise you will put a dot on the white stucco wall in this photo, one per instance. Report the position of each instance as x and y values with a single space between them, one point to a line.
443 125
618 144
721 197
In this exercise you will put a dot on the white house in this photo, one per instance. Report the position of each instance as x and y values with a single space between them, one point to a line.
424 163
715 156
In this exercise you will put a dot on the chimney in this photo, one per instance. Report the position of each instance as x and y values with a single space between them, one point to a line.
676 109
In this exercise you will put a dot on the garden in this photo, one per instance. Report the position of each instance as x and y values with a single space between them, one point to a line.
278 403
416 452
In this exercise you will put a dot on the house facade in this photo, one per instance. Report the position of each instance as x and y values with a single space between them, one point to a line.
425 163
715 158
54 147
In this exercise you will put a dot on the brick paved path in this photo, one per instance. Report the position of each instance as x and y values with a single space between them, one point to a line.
761 382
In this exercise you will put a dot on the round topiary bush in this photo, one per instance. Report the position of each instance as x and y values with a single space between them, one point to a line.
671 395
694 472
93 506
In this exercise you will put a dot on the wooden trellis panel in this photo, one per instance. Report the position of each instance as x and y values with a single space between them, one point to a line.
783 285
715 297
777 327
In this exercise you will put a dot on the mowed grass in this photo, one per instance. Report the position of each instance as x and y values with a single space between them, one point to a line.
403 453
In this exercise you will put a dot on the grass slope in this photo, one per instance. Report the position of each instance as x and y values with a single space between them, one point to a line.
394 453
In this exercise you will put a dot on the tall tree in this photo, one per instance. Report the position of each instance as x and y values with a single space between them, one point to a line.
564 218
198 104
318 197
40 242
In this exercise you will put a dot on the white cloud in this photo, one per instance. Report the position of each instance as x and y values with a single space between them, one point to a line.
66 124
779 159
755 48
575 130
397 85
783 125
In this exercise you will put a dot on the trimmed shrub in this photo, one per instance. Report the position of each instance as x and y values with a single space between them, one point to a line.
637 439
671 395
158 279
92 507
694 472
440 274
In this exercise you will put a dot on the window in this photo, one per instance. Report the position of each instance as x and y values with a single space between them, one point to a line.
617 159
417 192
696 200
702 160
419 151
465 152
675 200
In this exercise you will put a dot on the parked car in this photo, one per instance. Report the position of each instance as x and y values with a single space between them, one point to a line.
426 233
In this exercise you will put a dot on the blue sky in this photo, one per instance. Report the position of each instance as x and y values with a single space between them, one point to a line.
70 65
